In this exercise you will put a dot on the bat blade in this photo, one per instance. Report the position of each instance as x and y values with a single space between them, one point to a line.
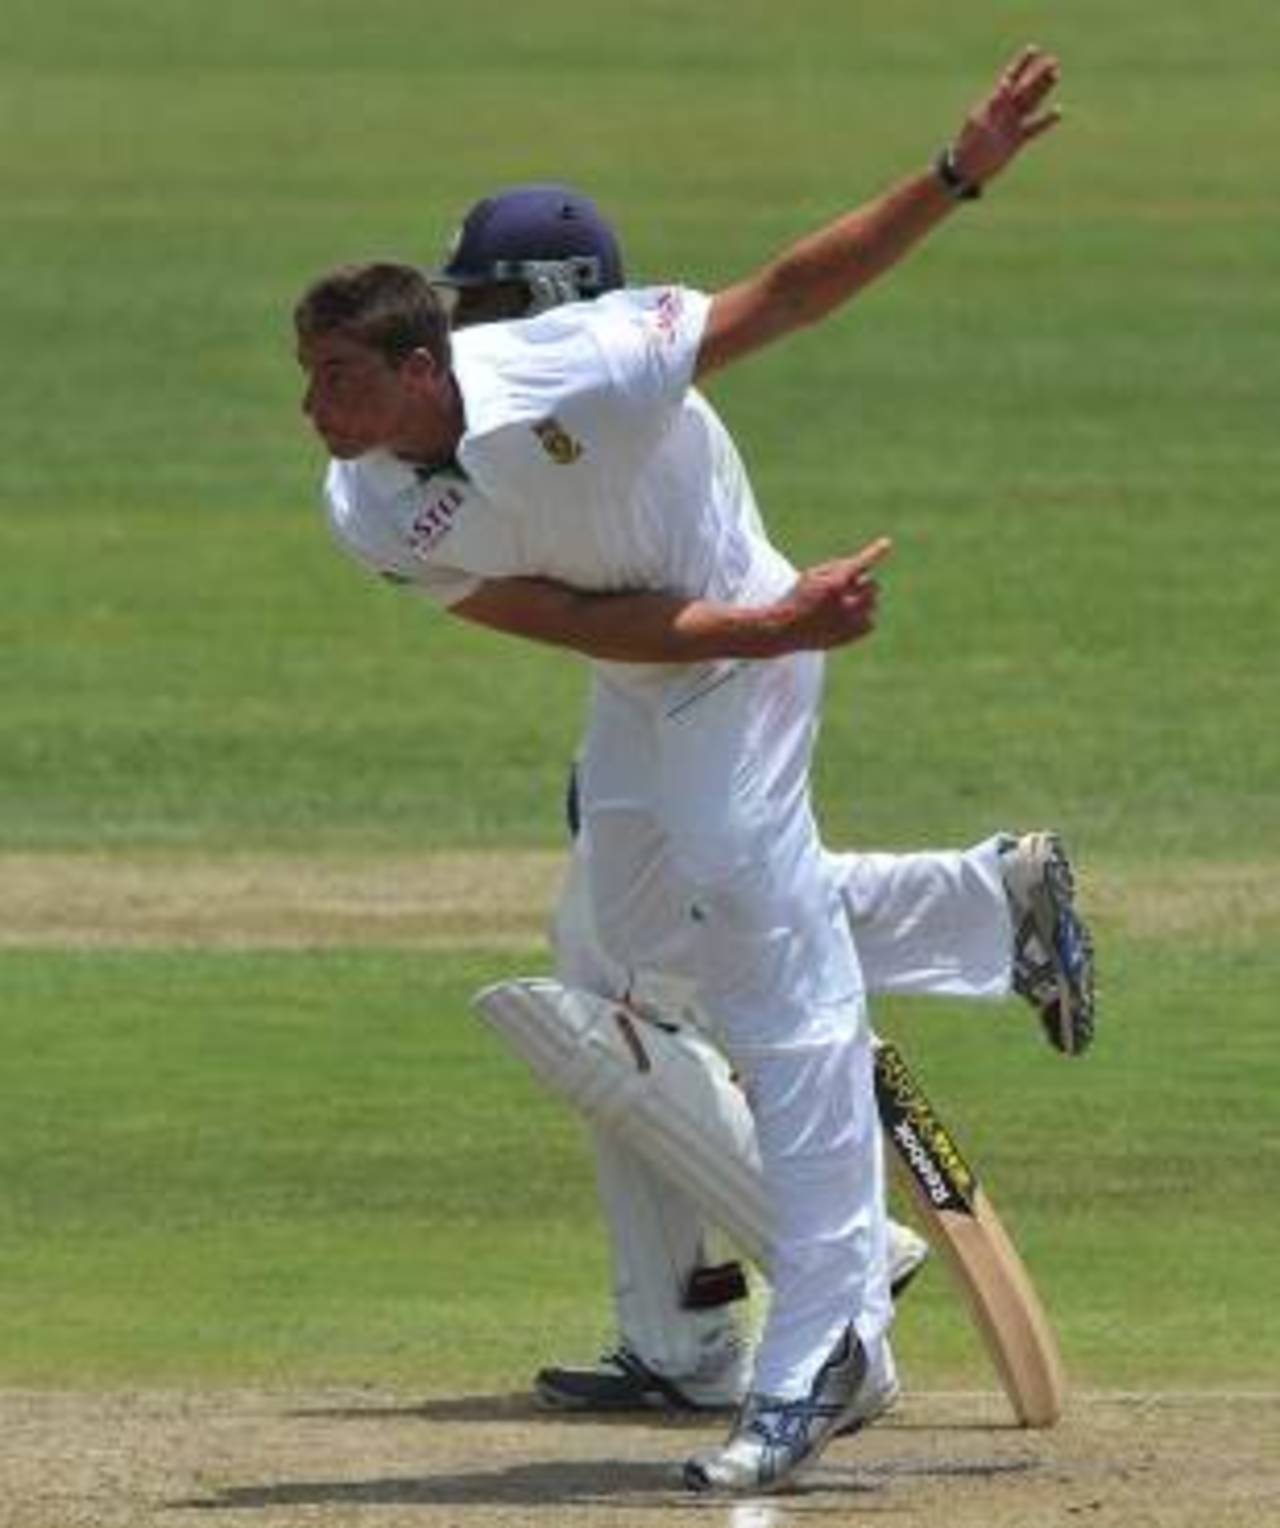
961 1222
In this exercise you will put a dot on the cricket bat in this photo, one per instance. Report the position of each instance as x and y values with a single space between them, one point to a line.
959 1220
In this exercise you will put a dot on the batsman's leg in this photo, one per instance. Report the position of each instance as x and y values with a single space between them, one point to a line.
664 1107
680 1347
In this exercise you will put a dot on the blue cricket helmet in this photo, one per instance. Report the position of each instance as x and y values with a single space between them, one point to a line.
550 237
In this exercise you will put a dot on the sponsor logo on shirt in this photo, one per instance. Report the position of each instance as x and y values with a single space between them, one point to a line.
666 316
434 518
559 445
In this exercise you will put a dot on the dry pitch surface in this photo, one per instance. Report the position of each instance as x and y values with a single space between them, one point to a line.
267 1460
465 899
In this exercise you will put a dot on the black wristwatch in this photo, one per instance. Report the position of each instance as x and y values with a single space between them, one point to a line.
953 183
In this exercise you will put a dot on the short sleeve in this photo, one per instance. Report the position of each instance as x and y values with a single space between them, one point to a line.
650 339
578 397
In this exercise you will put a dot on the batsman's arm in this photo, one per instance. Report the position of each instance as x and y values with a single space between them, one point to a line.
829 606
822 272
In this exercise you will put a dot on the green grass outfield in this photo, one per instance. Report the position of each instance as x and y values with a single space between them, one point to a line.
318 1167
239 1164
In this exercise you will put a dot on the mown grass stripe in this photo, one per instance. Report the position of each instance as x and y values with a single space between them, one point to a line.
464 899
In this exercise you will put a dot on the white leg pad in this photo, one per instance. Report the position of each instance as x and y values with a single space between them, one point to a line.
662 1089
657 1236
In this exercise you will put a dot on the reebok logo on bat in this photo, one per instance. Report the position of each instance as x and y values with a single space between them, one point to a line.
923 1165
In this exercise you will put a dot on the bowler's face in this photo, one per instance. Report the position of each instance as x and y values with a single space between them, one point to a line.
356 399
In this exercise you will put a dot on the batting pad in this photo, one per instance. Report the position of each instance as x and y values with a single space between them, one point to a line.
662 1089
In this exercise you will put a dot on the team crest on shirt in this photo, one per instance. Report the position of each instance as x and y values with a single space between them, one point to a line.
559 445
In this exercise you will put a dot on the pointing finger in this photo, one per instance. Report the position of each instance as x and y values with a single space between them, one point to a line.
874 552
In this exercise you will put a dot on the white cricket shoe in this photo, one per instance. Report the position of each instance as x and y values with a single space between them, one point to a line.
773 1439
622 1381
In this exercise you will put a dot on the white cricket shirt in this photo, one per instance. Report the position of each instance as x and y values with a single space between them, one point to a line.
587 458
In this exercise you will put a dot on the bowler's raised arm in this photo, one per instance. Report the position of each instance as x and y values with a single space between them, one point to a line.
823 271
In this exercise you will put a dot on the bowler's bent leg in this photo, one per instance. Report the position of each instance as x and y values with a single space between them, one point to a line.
930 923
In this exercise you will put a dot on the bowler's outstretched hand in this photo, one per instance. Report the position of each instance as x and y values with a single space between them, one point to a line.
1001 125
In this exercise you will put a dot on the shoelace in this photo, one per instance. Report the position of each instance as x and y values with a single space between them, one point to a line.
785 1423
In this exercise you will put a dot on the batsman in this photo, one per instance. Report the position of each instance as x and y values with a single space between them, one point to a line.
560 479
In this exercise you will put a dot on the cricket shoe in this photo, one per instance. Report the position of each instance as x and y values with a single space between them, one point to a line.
908 1253
876 1399
1052 946
622 1381
774 1439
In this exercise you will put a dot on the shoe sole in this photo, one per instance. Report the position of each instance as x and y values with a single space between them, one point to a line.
1049 897
1071 1030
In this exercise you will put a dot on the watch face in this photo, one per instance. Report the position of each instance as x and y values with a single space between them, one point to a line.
957 187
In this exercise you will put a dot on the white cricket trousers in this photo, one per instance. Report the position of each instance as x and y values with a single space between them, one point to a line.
695 797
929 923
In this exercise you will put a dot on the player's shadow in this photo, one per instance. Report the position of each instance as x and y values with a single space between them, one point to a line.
494 1410
564 1481
519 1406
571 1482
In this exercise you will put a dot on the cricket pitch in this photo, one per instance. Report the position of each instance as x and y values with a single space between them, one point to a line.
365 1457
